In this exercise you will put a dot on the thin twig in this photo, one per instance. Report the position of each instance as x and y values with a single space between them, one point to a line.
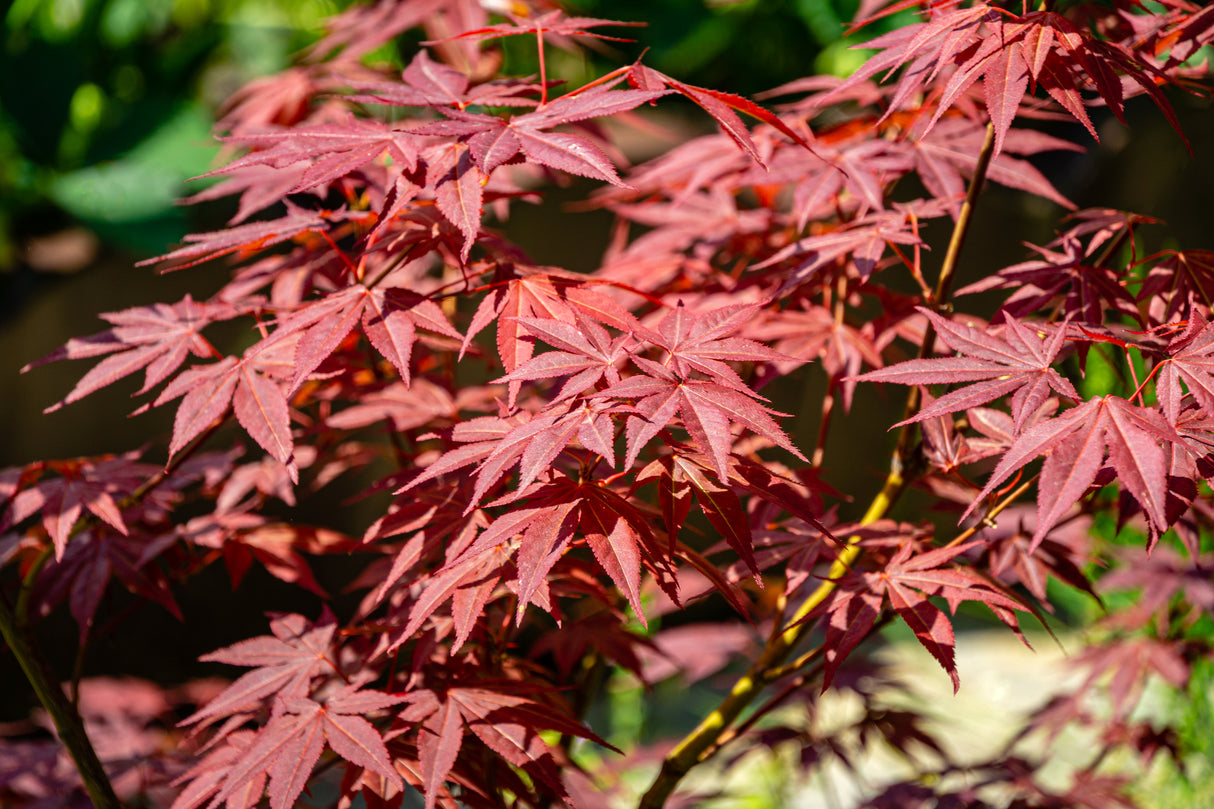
995 511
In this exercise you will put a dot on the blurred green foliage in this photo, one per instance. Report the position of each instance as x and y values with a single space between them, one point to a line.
743 47
106 105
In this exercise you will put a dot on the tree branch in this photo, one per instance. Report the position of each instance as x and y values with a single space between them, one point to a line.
697 745
67 722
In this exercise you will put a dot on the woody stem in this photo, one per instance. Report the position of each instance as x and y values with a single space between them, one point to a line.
67 721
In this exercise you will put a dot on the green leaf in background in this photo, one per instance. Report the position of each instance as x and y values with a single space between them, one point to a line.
106 106
144 183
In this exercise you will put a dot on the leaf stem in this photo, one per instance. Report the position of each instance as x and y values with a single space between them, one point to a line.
703 740
539 38
828 407
944 284
394 264
995 511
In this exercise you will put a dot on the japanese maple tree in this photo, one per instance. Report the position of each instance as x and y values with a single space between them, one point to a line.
567 458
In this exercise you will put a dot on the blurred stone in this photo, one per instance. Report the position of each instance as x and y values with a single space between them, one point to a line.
64 252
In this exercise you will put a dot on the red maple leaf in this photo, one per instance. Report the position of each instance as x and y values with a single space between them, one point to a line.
90 562
287 748
389 318
586 354
720 106
494 140
156 338
427 83
1019 363
863 240
285 664
697 343
1012 54
249 238
501 716
245 384
907 580
540 295
1075 444
1177 282
1088 291
95 484
1189 359
553 22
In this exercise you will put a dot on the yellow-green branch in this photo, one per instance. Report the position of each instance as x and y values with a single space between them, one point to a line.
700 743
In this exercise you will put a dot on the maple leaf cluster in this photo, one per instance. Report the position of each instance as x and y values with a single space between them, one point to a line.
573 456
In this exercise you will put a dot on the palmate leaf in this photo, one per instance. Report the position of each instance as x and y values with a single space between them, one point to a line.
721 106
363 28
907 580
499 714
459 191
703 342
1012 557
249 238
618 536
326 151
156 338
288 747
720 504
950 151
1013 55
606 632
586 355
249 386
1189 359
427 83
285 664
705 410
863 241
1075 444
389 318
697 343
493 141
277 547
553 22
467 581
537 534
1088 292
97 485
811 332
1162 578
513 495
1018 364
1177 281
92 560
543 296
